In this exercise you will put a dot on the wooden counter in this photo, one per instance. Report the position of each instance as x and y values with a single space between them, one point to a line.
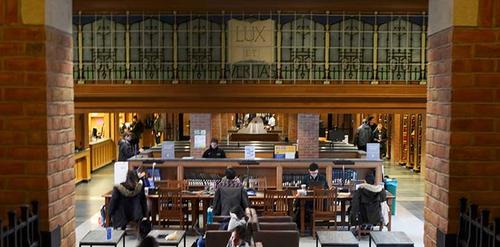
271 169
102 152
82 166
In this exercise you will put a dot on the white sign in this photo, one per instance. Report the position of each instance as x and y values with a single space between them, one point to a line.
346 139
249 152
251 41
290 155
120 172
200 140
373 151
168 150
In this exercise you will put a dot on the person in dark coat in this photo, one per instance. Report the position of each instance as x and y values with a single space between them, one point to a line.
312 180
137 129
214 151
365 205
314 177
125 150
229 194
364 133
128 202
380 136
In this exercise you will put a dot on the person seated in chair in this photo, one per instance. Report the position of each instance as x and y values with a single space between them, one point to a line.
128 202
366 204
312 180
229 193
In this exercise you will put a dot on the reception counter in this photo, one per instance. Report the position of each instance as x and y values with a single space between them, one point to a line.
82 165
102 153
273 170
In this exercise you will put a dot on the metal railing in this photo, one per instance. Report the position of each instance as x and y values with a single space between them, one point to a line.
310 48
23 231
476 230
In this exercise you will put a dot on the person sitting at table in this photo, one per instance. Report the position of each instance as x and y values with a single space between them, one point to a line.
314 178
229 193
128 202
367 202
214 152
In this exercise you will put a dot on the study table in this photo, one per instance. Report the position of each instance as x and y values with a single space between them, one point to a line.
195 197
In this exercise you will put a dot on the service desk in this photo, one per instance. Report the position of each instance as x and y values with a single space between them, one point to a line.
82 165
272 170
102 152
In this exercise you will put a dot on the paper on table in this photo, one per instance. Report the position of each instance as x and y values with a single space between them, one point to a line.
120 172
249 152
200 141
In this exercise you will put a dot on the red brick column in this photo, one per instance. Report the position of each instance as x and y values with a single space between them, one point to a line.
463 122
292 127
200 121
308 134
36 119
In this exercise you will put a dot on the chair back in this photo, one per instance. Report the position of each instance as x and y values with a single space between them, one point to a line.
173 184
276 202
325 201
170 203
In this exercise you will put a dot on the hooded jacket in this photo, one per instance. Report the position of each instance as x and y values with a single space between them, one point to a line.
365 205
124 150
127 204
363 135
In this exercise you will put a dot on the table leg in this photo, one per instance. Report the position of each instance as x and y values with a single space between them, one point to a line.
154 211
302 215
317 240
185 238
123 240
343 213
389 225
370 241
195 214
106 207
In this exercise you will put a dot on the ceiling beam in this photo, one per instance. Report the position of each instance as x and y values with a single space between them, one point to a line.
90 6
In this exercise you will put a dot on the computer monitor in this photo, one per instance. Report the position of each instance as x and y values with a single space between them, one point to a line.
315 185
336 135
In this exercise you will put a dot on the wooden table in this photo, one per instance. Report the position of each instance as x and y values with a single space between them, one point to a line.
98 237
336 239
390 239
205 199
163 242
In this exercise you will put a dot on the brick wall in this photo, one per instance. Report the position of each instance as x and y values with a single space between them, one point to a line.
307 135
36 123
200 121
463 121
292 127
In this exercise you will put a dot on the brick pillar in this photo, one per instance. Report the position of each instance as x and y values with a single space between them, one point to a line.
292 127
200 121
463 117
36 120
308 134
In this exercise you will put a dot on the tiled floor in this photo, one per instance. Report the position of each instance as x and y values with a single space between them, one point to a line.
409 217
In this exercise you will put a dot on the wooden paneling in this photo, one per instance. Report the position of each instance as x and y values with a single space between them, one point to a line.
247 6
82 166
272 170
102 153
252 98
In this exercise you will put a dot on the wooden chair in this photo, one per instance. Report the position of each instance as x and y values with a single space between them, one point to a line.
324 208
259 184
171 207
276 202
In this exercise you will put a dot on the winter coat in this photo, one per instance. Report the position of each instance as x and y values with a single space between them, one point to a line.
382 133
214 153
363 135
228 197
124 150
365 205
127 204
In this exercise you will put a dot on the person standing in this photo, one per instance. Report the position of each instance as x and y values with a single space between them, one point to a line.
364 134
136 129
380 136
125 151
157 128
214 152
272 122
